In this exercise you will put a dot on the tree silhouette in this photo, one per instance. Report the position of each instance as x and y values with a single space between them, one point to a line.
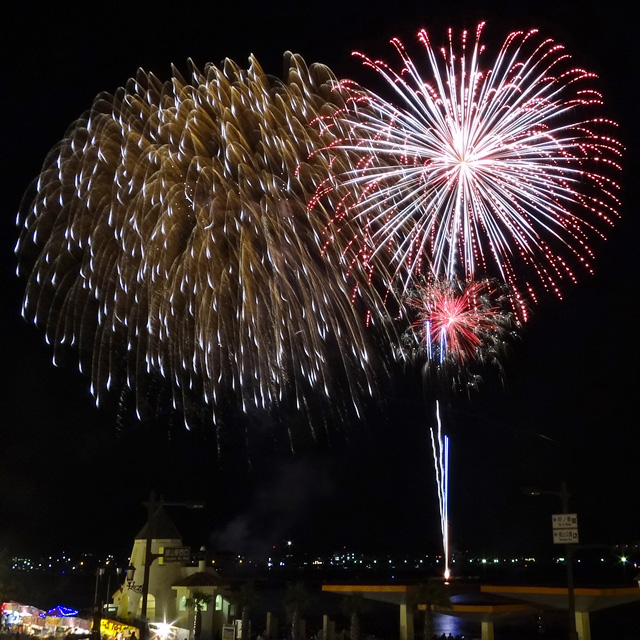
198 602
295 599
354 606
432 594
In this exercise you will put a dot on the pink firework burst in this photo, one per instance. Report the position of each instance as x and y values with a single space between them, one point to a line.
458 323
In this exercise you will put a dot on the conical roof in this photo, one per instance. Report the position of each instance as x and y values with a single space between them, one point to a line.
162 527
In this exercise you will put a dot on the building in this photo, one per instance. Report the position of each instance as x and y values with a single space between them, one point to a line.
172 582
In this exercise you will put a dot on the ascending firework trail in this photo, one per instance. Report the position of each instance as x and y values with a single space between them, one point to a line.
440 447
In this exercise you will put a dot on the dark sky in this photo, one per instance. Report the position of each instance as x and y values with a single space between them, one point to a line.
72 479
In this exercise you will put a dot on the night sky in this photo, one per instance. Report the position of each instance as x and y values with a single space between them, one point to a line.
74 477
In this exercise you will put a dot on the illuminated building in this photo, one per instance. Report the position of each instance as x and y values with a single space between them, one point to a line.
171 582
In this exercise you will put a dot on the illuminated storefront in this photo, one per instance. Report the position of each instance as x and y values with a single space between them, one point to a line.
22 617
57 623
113 630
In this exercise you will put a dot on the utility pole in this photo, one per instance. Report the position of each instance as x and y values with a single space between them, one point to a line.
569 547
573 633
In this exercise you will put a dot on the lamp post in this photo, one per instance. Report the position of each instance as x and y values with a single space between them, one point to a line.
564 495
99 574
153 505
97 610
130 572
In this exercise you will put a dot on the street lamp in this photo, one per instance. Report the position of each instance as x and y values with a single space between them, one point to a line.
153 505
130 574
99 574
564 495
97 613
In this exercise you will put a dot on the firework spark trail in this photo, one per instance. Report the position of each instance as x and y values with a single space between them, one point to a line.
440 447
501 169
168 234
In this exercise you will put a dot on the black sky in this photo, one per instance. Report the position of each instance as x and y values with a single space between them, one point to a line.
569 408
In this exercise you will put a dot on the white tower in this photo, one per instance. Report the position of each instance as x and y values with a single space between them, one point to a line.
161 603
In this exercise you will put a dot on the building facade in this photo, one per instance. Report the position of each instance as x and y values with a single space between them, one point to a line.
172 585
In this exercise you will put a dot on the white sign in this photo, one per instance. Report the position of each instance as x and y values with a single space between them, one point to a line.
565 536
564 521
175 554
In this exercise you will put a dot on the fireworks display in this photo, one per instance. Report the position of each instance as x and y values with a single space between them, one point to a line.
168 234
237 235
478 168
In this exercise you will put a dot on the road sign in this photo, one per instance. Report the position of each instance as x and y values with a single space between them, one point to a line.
565 536
564 520
175 554
565 528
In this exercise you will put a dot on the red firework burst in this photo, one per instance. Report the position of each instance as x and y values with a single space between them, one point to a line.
458 321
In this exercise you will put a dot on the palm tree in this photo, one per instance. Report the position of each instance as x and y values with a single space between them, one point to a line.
432 594
244 598
354 606
295 599
198 602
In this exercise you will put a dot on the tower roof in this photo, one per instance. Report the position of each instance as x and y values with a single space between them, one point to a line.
162 527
